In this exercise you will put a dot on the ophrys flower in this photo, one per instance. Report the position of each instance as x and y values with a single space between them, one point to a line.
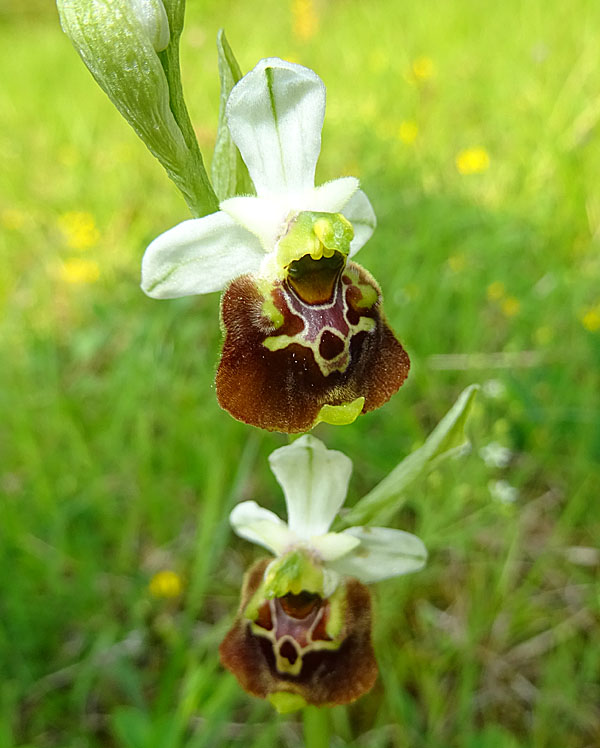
304 623
305 335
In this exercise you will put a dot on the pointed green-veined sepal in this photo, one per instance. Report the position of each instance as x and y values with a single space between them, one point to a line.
229 173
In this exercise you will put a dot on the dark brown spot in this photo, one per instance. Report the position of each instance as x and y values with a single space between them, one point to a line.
288 651
331 345
264 616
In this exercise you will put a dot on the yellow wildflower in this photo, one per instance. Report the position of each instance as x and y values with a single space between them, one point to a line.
590 319
77 270
495 291
472 161
510 306
408 131
305 19
79 229
165 584
457 262
423 68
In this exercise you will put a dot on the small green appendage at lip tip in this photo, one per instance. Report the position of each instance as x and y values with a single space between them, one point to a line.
286 702
341 415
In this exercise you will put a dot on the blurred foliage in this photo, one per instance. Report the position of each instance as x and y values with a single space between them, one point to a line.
474 129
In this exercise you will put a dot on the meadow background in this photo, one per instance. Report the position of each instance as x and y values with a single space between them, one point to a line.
473 126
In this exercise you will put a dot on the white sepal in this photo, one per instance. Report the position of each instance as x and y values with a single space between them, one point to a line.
383 552
251 522
275 114
263 216
314 480
199 256
332 196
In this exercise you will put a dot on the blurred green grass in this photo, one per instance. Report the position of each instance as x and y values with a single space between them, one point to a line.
116 462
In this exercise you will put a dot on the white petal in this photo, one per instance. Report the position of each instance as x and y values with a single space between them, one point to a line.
199 256
361 215
383 553
275 115
334 545
314 480
332 196
251 522
263 216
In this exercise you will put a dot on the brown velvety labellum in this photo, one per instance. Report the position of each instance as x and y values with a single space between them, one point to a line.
332 676
284 358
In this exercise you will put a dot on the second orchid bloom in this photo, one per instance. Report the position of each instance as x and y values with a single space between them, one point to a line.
306 339
303 631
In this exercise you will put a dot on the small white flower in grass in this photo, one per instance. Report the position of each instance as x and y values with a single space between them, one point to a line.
495 455
494 389
503 491
314 480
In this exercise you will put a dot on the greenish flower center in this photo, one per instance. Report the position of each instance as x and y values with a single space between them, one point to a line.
313 253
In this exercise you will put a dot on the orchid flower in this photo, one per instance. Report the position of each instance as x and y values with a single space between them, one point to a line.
305 335
303 631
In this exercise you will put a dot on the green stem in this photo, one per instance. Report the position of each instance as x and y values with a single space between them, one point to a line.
316 727
194 182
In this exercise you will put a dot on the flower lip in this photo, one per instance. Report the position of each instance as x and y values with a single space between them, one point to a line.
323 659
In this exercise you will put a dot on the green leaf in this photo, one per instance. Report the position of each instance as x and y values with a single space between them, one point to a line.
446 440
229 173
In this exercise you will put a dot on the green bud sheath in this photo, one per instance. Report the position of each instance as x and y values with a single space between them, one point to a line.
120 42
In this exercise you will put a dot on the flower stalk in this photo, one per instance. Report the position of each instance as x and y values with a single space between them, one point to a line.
316 725
193 181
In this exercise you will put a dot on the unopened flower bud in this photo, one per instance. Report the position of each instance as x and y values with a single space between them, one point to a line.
153 17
